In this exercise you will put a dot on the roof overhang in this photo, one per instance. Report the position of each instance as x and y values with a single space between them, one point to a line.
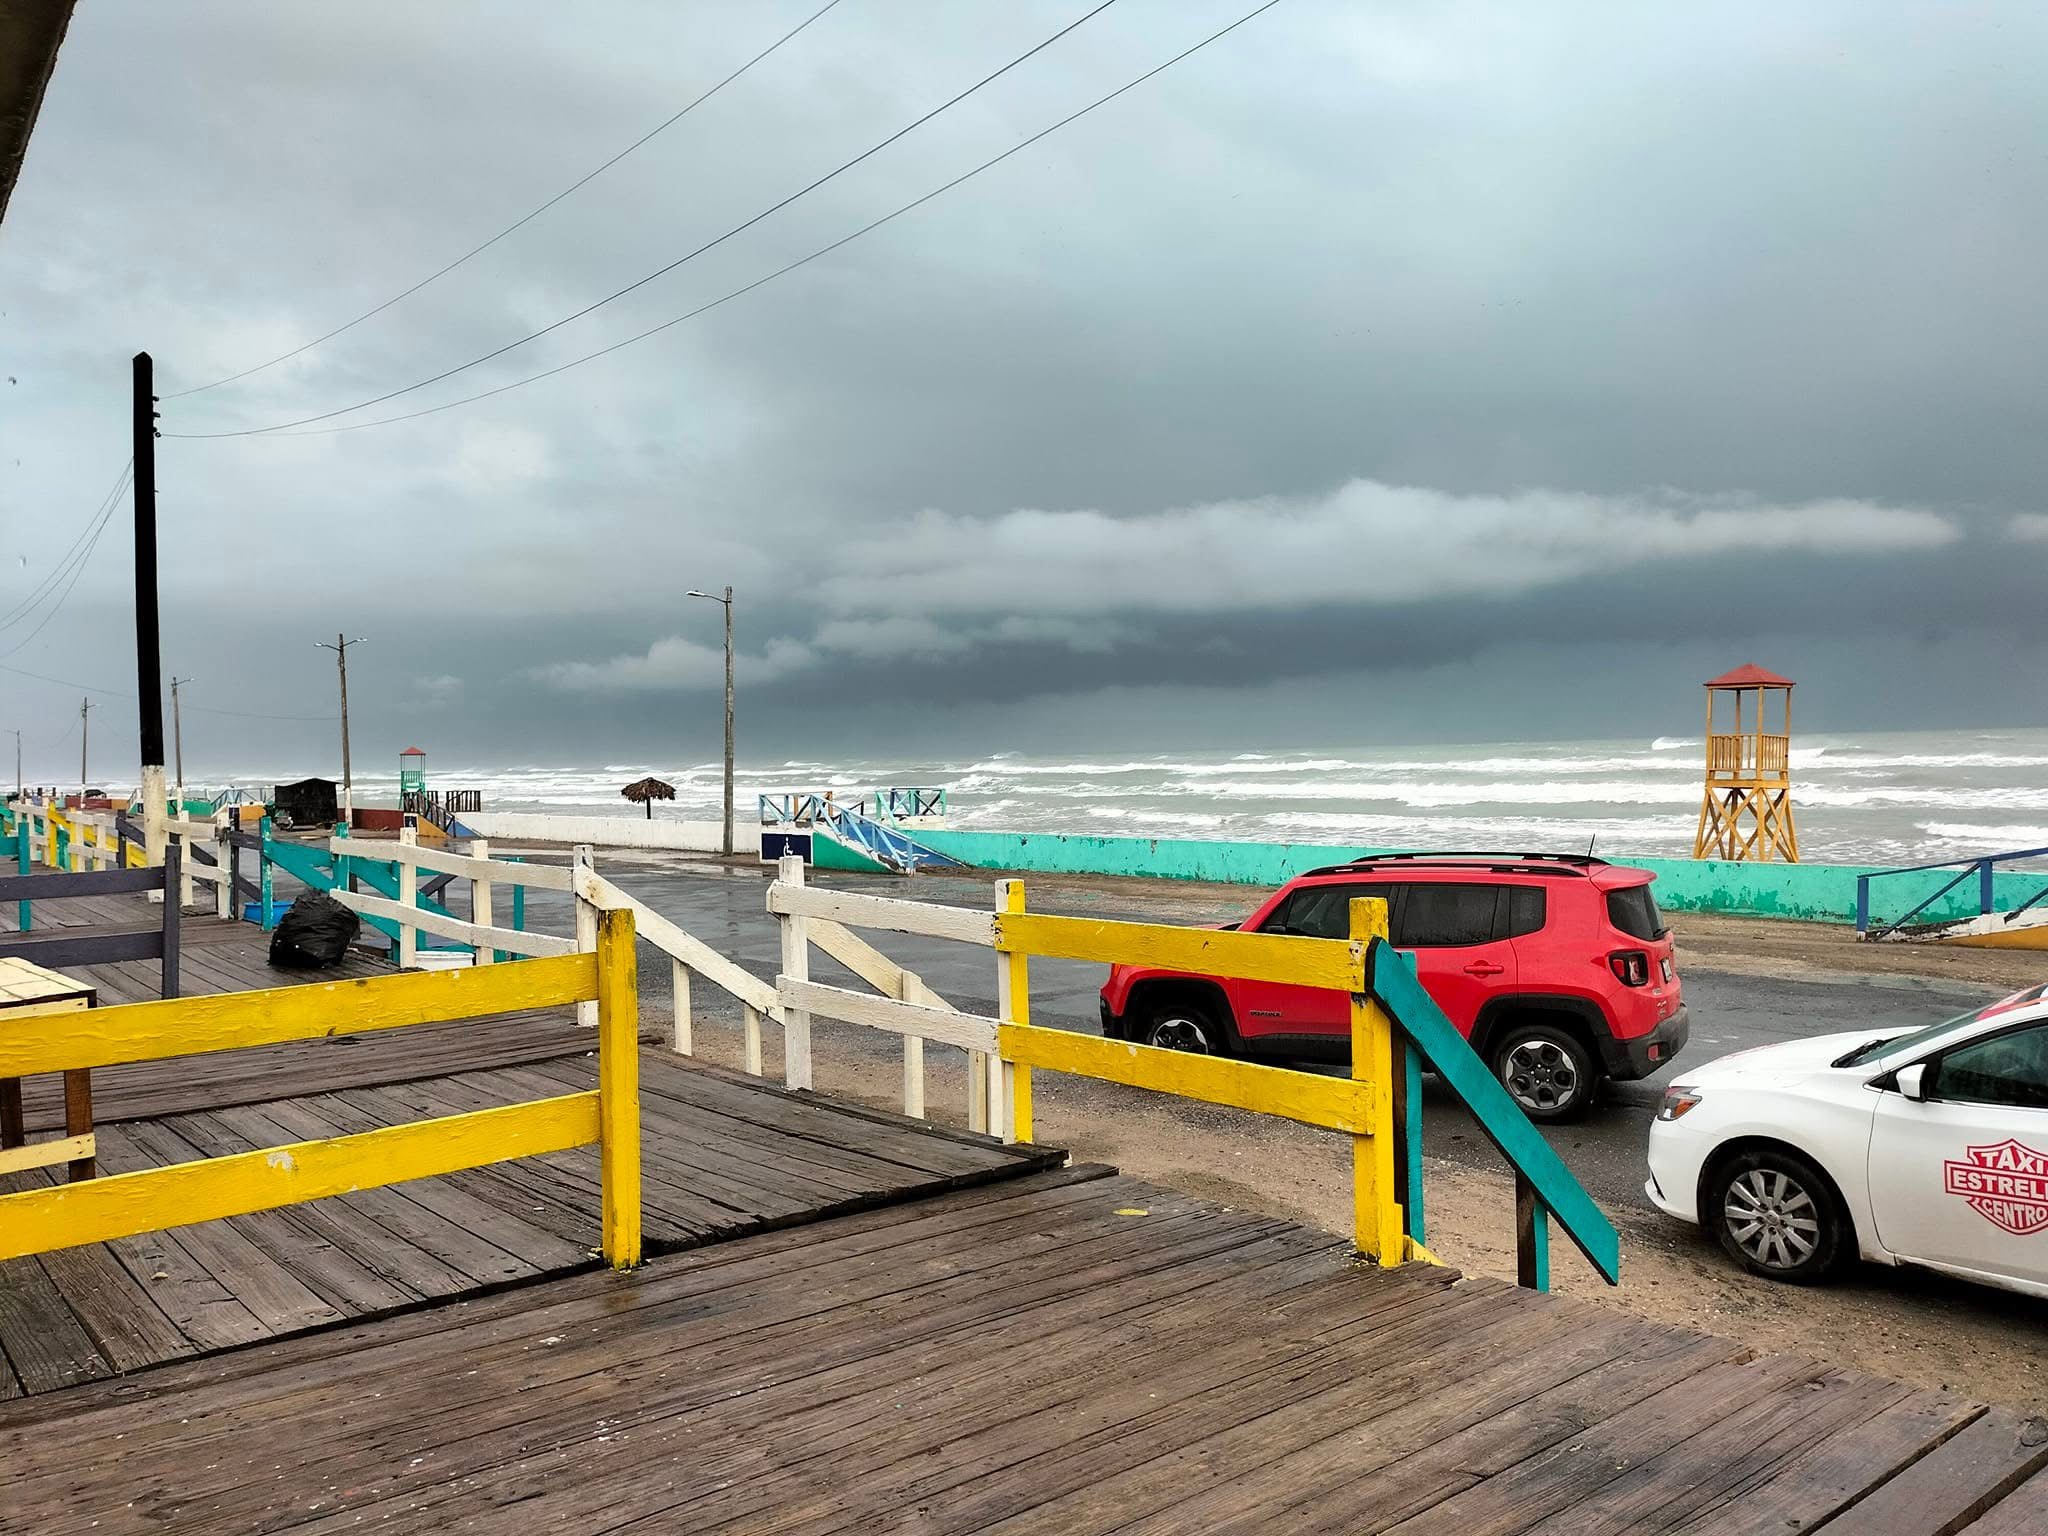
30 33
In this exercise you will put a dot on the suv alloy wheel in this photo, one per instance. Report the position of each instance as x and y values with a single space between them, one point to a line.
1549 1072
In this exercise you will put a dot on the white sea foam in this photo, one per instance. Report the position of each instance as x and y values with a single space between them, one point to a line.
1896 798
1991 836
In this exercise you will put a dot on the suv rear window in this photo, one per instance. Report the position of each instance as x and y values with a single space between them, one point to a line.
1525 911
1633 910
1448 915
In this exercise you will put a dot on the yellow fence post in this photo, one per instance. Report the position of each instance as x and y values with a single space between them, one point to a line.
1376 1209
1013 1006
618 1085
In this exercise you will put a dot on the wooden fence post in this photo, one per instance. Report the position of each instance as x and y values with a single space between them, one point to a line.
1532 1237
796 965
584 857
618 1086
1009 1084
408 894
224 861
264 912
1376 1207
683 1036
25 838
173 859
480 898
752 1019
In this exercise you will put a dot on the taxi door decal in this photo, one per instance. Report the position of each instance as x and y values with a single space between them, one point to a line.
2005 1182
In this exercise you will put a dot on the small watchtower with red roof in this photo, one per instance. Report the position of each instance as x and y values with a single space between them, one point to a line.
1746 811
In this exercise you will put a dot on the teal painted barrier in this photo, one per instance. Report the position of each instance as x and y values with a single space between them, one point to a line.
1415 1013
1822 893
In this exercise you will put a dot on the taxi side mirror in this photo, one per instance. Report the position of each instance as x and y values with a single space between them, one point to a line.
1912 1081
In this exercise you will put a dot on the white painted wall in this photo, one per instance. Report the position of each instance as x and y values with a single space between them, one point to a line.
614 831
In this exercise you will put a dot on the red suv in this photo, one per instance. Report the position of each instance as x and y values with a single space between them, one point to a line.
1558 969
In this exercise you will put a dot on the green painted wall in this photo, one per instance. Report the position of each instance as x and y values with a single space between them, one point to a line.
1814 892
827 852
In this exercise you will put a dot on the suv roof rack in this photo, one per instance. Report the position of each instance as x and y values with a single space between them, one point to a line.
1464 858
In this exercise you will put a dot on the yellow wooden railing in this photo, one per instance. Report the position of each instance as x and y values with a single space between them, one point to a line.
64 1216
1396 1029
1360 1106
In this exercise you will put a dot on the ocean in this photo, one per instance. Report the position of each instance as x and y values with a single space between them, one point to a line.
1891 798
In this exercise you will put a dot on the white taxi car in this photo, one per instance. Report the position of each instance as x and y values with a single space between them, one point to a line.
1927 1148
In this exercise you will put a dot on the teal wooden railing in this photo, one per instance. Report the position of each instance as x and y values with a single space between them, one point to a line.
1544 1186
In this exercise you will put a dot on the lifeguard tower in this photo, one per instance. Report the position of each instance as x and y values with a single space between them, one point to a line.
1746 809
412 776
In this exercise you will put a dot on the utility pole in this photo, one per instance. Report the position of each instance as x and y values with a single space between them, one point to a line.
727 601
340 649
178 739
149 676
84 725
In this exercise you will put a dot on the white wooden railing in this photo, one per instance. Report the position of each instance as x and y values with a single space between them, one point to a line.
906 1006
484 873
688 956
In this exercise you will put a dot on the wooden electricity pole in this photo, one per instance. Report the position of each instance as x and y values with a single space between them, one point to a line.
84 723
348 799
727 601
149 676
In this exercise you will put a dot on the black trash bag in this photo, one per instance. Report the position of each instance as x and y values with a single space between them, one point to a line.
314 934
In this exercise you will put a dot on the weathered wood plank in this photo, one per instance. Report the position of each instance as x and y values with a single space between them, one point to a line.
2023 1512
1955 1483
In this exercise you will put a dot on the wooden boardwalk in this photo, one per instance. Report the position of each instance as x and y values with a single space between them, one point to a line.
961 1337
723 1155
1067 1353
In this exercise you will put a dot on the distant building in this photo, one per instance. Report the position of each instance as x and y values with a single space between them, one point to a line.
308 803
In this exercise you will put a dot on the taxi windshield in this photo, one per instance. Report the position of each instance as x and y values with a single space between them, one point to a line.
1887 1044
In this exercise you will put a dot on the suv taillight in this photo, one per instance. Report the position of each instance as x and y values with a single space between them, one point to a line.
1631 967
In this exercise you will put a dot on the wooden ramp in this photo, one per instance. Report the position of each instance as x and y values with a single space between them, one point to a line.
723 1155
1067 1353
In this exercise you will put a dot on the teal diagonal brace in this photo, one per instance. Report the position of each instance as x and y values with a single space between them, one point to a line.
1458 1066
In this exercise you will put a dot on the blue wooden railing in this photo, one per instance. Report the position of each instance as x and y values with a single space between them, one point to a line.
1983 868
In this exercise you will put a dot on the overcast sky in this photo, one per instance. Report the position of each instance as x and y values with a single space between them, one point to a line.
1380 373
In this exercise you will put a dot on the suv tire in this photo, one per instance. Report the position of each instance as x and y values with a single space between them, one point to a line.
1176 1025
1547 1069
1776 1215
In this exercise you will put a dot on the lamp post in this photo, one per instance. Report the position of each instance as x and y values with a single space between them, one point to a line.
84 734
726 600
178 740
340 647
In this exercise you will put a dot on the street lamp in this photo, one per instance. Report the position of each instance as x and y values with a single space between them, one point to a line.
727 601
178 740
340 647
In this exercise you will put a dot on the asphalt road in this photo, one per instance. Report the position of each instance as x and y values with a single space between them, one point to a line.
1730 1012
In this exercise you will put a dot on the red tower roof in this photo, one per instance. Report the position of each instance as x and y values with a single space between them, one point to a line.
1748 675
422 751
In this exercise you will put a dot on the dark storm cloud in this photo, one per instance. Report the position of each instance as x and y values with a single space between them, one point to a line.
1427 362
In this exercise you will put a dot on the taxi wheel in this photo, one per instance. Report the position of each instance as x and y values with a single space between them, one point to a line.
1776 1215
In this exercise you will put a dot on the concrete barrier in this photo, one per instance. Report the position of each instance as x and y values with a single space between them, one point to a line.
614 831
1810 892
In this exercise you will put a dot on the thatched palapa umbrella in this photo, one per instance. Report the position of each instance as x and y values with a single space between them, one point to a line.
647 791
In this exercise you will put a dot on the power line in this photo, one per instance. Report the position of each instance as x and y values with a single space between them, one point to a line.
823 250
773 208
117 693
92 524
517 223
77 571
